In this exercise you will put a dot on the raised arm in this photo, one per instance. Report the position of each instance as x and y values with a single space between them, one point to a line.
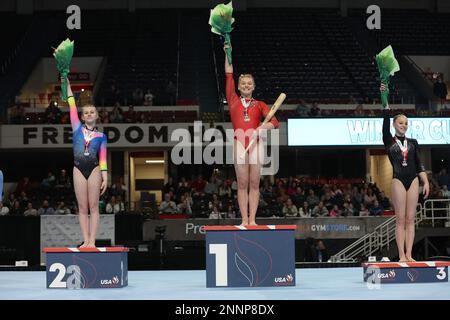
387 137
74 120
230 87
228 66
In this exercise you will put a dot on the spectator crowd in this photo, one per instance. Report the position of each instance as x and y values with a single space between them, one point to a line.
216 198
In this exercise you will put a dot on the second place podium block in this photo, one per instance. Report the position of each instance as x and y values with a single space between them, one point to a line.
73 268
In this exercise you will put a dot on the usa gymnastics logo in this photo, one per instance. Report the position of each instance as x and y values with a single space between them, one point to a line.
286 280
390 276
110 282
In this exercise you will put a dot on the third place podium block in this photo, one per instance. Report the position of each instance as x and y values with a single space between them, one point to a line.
253 256
406 272
80 268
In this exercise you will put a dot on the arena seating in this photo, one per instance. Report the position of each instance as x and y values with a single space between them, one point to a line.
11 39
414 32
310 54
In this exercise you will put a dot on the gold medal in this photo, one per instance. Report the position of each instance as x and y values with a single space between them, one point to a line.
246 106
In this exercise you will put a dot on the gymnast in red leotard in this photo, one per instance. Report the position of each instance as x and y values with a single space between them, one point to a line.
246 115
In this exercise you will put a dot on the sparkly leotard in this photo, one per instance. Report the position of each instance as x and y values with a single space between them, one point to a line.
86 155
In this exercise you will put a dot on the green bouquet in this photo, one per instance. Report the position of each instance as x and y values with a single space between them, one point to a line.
221 20
63 55
387 66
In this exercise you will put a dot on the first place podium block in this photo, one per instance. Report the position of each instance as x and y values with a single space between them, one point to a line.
406 272
253 256
80 268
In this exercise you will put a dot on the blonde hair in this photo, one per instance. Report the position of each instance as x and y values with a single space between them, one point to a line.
88 105
398 116
247 75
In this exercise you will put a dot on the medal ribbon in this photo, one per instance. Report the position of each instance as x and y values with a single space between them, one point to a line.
88 135
246 105
403 148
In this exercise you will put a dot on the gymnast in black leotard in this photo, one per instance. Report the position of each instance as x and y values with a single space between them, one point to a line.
403 154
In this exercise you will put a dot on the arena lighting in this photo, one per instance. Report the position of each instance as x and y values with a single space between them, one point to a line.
154 161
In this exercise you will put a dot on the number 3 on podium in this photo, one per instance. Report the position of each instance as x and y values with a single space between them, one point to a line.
441 273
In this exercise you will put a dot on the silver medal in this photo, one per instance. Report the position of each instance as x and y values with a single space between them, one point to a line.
88 136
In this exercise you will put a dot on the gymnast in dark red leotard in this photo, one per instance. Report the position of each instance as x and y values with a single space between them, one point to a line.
246 115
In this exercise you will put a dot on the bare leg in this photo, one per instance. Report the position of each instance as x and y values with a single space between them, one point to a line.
412 196
241 167
94 183
399 201
81 191
256 154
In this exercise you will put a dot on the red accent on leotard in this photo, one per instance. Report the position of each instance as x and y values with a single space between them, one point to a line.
257 112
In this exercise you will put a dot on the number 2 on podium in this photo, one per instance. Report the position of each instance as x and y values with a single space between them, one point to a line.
73 281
